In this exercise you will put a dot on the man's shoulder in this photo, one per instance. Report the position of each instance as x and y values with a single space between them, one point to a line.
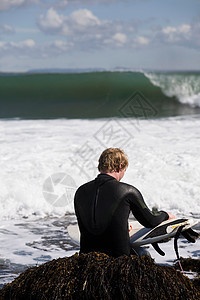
85 185
129 188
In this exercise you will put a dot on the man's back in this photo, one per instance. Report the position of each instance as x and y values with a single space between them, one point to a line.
102 214
102 207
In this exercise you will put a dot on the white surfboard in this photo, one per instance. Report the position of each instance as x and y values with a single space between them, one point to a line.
165 230
140 235
74 233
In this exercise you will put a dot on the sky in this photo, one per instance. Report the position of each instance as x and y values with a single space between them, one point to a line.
133 34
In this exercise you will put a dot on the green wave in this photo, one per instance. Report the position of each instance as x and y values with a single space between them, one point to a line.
86 95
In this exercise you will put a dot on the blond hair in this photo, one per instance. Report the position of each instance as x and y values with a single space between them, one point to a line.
112 159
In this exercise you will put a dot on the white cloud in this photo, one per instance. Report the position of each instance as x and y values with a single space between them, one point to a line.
51 21
185 28
8 4
5 29
141 40
26 47
187 35
117 40
84 29
27 43
176 34
77 21
169 30
84 17
120 38
60 46
22 46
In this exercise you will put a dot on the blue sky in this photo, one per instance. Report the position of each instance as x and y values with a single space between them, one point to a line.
135 34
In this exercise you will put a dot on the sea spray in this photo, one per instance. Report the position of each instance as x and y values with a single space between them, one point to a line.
163 156
184 86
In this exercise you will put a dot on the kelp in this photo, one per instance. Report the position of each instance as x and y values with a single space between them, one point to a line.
98 276
191 265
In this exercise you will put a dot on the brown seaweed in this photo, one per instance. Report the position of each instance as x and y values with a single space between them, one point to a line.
192 265
98 276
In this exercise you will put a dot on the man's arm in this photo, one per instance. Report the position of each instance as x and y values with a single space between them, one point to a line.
143 214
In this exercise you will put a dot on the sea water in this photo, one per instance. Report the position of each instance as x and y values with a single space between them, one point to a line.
43 161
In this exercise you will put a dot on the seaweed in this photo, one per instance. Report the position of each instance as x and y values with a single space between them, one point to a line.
193 265
99 276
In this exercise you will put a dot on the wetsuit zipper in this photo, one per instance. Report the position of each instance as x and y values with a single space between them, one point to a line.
95 205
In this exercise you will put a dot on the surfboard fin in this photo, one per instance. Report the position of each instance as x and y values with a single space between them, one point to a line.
190 235
157 248
193 233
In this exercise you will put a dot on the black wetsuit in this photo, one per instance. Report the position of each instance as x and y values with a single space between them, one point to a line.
102 207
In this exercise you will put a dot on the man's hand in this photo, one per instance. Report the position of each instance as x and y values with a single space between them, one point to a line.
170 216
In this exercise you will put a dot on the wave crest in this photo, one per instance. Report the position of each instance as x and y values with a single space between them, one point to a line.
185 87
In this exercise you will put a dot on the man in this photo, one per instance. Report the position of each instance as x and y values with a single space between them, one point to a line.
103 205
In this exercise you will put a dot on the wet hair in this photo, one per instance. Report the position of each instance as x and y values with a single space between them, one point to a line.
112 159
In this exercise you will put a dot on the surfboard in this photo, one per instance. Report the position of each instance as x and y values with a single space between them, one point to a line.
140 236
74 233
165 230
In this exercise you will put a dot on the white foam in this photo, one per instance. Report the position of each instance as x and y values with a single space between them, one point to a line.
185 87
164 161
164 164
22 242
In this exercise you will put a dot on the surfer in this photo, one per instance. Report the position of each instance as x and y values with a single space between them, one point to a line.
103 205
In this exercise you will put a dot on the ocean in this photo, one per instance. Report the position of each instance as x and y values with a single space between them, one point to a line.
53 127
